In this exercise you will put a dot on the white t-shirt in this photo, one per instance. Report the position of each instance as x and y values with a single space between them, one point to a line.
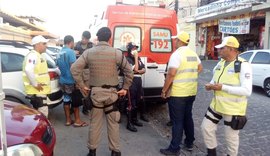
175 59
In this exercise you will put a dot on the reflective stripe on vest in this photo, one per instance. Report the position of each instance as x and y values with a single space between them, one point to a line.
41 76
185 82
187 70
223 102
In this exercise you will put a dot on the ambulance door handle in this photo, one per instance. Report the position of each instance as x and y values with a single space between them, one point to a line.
152 67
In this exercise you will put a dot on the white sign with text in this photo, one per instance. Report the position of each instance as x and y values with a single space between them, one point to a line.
234 26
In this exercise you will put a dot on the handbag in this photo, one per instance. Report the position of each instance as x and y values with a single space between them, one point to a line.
238 122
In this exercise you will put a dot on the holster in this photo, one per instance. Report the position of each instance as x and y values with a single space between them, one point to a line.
87 102
36 101
238 122
115 107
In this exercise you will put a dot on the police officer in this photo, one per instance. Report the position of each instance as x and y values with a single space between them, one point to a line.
103 62
231 83
181 86
79 48
36 78
135 90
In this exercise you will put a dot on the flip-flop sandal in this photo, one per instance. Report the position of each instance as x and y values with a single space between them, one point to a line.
83 124
69 123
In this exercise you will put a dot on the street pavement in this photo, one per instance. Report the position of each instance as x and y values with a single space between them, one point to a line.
254 138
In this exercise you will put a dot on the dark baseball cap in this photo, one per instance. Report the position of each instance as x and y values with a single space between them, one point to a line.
131 45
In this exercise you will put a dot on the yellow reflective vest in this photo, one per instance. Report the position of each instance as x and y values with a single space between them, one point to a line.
186 80
41 75
224 102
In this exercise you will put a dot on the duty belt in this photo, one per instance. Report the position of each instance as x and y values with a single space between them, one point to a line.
106 86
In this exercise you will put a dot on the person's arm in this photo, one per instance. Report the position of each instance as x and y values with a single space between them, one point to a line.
173 66
245 87
168 81
77 68
30 64
142 71
127 72
29 71
72 57
136 65
200 66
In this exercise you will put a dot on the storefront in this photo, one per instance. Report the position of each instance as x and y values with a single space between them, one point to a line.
216 20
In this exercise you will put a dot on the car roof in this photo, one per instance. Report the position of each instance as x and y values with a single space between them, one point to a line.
10 49
257 50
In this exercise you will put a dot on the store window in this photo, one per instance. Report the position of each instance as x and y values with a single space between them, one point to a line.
160 40
126 34
261 58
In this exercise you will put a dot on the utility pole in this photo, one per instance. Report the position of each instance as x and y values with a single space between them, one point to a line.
176 6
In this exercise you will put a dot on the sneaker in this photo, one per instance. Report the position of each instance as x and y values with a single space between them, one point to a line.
188 147
169 152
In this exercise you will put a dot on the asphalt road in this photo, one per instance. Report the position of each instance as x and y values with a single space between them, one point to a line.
254 138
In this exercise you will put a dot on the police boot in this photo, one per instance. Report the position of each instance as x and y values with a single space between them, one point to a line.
142 111
92 152
130 126
114 153
134 119
144 118
211 152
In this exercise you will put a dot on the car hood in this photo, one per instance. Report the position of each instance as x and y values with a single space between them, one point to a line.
22 123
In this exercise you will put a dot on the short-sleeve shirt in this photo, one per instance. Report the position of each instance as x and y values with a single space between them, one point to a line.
175 59
65 58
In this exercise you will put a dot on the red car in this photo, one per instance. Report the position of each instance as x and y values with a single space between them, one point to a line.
29 133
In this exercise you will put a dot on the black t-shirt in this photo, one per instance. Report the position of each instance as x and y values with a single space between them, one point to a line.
80 48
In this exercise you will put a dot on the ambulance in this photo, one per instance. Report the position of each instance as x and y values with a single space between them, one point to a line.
151 29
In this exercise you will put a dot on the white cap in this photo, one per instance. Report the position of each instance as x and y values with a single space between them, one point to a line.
39 39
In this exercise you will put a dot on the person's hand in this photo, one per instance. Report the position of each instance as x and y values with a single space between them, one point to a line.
85 91
217 86
122 92
134 53
163 95
39 87
77 52
208 86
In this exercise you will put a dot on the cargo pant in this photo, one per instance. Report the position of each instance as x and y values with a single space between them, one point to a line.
209 129
102 97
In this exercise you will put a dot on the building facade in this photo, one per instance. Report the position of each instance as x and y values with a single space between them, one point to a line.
21 29
217 19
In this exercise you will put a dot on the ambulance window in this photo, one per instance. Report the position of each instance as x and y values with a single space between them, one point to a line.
125 34
161 40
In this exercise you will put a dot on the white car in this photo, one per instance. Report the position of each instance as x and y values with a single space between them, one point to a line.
55 49
260 62
11 61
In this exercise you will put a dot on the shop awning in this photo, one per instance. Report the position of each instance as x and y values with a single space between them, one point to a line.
262 7
221 14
